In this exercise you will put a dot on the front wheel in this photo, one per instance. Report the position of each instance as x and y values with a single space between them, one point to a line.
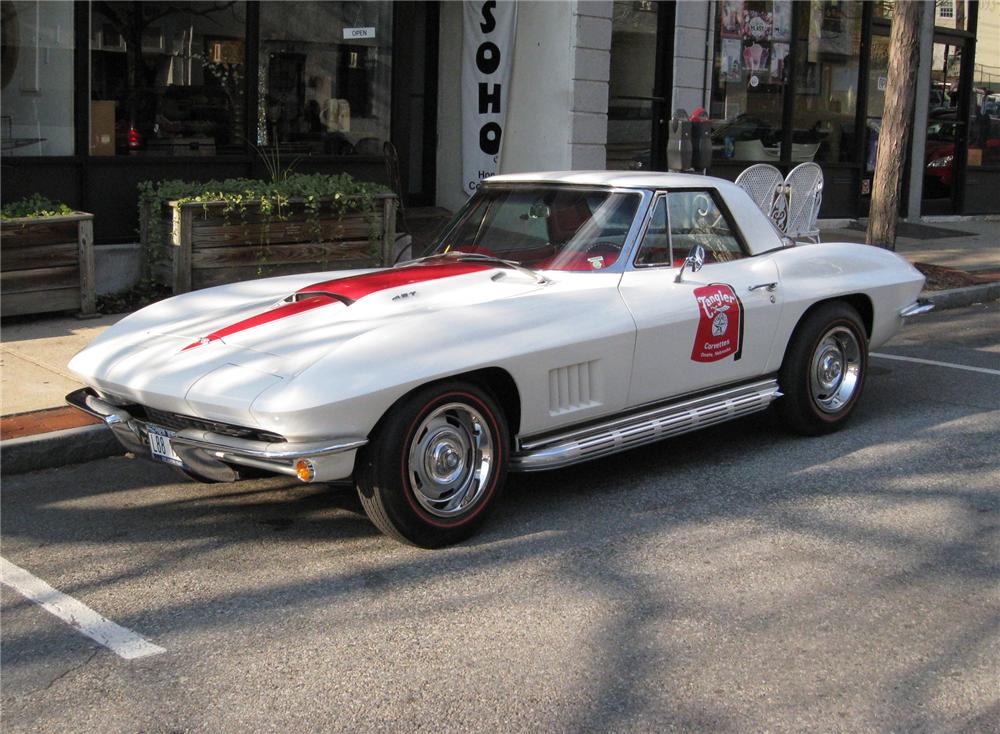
435 466
824 370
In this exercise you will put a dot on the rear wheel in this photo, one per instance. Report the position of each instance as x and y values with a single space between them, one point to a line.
435 466
824 370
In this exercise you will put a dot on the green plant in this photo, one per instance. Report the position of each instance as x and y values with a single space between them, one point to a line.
35 205
321 195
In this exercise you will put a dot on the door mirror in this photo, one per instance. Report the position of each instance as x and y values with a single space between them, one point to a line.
695 260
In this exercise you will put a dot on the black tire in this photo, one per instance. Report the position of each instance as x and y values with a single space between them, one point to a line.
453 427
824 370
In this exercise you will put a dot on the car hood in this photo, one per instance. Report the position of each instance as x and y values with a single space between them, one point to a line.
222 347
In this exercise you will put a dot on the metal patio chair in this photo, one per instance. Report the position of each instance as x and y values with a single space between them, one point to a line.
804 185
764 184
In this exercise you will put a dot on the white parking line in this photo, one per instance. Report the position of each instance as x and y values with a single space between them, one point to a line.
121 641
984 370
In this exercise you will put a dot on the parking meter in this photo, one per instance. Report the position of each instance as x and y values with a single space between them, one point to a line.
679 142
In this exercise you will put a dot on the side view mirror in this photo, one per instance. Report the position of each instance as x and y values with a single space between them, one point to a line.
695 260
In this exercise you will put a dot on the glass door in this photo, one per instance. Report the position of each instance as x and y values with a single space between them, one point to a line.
946 141
638 90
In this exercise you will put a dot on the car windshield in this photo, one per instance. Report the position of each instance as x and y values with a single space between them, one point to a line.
545 227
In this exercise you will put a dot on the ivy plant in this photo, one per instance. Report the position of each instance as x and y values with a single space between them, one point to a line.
35 205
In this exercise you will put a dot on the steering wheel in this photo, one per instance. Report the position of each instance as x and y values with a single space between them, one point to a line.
603 247
608 251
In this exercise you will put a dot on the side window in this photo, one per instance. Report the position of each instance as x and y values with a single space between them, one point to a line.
695 219
655 249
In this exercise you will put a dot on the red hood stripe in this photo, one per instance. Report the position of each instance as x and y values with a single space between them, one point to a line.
351 288
289 309
359 286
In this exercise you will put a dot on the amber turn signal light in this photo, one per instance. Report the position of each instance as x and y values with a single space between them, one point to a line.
305 470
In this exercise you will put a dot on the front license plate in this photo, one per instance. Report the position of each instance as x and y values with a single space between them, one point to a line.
159 445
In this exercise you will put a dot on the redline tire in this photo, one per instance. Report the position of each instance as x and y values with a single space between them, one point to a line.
824 370
435 467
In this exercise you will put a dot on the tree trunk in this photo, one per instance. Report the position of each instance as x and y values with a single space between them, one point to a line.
904 45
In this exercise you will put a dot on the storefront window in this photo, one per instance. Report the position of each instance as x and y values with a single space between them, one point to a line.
953 14
632 104
325 77
168 78
749 79
828 39
984 125
36 106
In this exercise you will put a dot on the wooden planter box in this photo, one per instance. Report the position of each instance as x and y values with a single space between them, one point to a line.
47 264
208 248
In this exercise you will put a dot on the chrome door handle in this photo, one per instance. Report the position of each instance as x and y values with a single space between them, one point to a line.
770 287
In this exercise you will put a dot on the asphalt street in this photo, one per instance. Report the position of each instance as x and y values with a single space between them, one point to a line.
740 579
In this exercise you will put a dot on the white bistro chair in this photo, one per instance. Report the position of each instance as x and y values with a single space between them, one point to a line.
804 187
764 184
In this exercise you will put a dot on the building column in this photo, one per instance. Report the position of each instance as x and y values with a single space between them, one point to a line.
591 75
921 107
693 47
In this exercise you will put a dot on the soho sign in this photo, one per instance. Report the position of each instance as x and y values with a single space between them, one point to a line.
487 40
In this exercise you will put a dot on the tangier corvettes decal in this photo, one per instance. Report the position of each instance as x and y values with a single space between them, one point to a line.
346 291
720 324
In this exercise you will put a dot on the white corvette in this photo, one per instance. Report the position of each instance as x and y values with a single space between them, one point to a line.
563 317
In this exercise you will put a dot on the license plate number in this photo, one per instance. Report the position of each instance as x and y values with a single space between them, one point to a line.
159 445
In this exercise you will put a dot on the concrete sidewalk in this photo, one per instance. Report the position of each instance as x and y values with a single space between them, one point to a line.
37 428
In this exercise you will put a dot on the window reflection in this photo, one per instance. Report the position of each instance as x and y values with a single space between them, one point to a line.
325 77
168 78
749 79
828 39
984 123
36 109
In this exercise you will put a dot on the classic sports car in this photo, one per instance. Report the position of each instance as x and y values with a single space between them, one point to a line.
561 317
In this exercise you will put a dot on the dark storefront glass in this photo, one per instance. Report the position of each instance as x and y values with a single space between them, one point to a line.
749 79
828 38
878 74
167 79
951 14
632 104
945 121
983 157
36 107
325 77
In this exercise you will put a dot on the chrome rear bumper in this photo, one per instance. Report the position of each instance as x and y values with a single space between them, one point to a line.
213 454
916 308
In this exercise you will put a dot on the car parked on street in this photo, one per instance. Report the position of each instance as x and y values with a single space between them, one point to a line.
562 317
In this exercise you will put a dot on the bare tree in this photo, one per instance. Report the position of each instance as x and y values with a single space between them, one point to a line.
904 45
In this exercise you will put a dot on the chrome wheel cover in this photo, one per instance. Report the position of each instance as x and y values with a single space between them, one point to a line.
451 460
835 370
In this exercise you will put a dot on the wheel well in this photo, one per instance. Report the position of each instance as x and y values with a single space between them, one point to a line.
859 301
501 385
493 380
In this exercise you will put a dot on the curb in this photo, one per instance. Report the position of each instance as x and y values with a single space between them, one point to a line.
958 297
57 448
76 445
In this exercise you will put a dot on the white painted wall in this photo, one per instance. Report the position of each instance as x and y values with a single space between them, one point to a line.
39 97
692 55
541 92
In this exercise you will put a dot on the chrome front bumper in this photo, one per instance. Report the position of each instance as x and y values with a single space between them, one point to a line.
213 454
